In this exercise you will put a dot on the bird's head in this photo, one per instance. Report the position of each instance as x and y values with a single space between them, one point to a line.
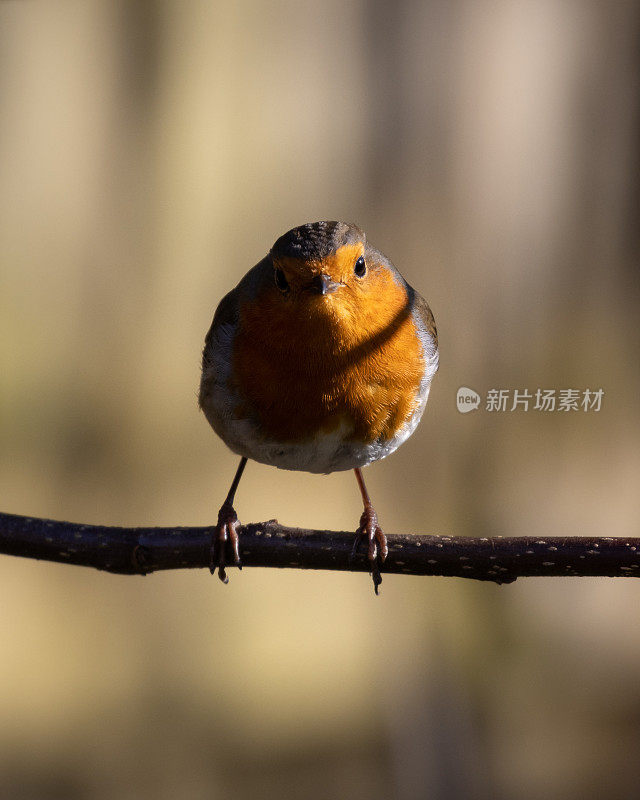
320 265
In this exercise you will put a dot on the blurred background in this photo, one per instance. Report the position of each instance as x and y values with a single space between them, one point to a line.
150 154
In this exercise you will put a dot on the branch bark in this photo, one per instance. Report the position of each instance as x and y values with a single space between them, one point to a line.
139 551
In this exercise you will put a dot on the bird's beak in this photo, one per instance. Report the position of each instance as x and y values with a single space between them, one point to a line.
322 284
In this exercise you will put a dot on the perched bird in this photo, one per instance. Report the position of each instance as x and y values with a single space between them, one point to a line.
320 360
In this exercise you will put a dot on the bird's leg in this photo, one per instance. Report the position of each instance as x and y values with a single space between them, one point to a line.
370 529
227 530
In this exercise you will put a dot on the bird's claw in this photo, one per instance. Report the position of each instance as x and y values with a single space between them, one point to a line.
225 531
377 550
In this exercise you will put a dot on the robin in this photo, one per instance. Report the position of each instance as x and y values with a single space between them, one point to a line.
320 360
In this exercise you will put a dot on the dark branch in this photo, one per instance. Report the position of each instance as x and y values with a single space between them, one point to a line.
138 551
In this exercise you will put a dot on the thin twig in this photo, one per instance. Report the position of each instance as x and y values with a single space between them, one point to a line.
139 551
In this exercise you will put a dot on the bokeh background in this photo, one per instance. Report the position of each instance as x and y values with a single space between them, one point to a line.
150 153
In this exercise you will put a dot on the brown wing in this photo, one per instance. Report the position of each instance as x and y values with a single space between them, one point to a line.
218 342
228 309
226 314
425 316
425 321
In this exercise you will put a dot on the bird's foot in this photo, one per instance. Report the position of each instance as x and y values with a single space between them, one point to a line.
377 544
225 531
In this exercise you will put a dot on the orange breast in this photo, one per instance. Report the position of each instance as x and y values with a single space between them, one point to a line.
354 357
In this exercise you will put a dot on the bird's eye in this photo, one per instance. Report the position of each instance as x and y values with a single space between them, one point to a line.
360 268
280 280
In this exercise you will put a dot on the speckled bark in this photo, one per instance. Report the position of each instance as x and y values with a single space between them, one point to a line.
132 551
